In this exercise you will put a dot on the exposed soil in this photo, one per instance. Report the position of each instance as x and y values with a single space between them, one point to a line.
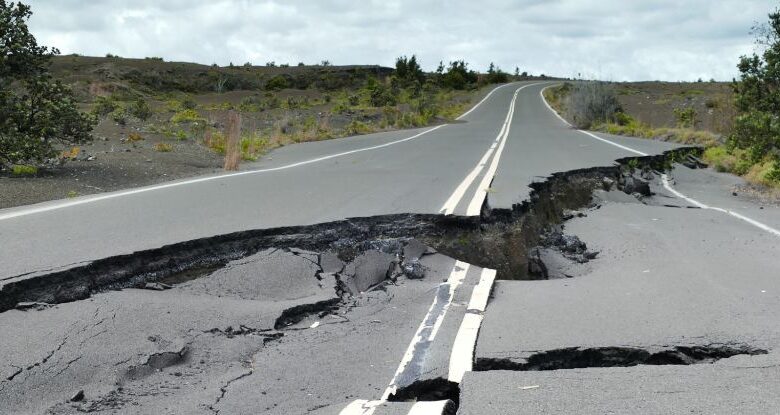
654 103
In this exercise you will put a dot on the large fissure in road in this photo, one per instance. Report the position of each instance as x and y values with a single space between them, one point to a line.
335 262
579 358
513 241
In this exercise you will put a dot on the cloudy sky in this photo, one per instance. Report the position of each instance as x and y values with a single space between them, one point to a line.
608 39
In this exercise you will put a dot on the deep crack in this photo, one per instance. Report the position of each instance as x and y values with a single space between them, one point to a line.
578 358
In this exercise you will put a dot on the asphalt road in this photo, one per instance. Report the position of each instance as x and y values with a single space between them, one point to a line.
414 176
286 331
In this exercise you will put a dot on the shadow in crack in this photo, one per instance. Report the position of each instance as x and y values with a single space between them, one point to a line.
578 358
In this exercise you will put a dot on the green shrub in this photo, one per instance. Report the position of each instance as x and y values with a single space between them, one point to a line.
188 115
140 109
119 116
103 106
24 170
253 146
277 82
188 104
357 127
163 147
686 117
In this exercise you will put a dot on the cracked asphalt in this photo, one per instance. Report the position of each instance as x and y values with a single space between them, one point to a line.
380 326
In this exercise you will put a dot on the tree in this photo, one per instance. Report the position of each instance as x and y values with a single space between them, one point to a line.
495 75
408 71
36 112
458 76
757 98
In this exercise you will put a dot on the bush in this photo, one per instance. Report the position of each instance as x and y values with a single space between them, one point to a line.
24 170
458 76
495 75
591 103
408 71
277 82
757 99
140 109
380 94
103 106
119 116
163 147
356 128
253 146
187 116
133 137
686 117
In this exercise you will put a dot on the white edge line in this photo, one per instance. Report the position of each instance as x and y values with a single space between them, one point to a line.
107 196
428 408
483 100
665 179
462 355
361 407
41 209
767 228
365 407
458 272
547 104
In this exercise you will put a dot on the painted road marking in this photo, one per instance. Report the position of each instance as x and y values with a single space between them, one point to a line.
480 102
430 324
475 207
541 94
49 206
428 408
767 228
452 202
462 356
364 407
361 407
665 180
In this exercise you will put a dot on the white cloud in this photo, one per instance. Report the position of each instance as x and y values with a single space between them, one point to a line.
614 39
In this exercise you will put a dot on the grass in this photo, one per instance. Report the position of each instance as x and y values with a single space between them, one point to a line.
253 146
187 115
24 170
133 137
163 147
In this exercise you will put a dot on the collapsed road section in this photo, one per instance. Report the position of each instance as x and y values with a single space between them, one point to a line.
286 320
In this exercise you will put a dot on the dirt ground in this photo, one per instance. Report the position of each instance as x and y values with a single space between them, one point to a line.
130 152
654 103
114 162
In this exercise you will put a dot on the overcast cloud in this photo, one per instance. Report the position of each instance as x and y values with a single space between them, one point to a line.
608 39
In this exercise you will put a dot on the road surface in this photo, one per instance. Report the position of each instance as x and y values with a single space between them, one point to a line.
274 332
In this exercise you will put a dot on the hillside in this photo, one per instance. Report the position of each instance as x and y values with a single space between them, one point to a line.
159 121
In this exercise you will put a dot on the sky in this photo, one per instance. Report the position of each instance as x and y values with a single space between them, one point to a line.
616 40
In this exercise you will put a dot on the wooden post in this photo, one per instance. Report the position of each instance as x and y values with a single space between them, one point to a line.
233 141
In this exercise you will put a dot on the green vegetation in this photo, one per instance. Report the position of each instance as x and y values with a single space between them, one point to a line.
36 112
757 98
163 147
187 116
686 117
24 170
